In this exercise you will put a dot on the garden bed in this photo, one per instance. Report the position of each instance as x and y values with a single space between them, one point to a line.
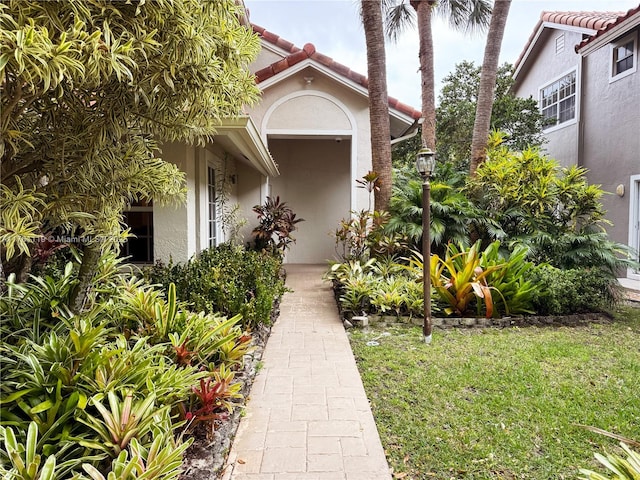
503 322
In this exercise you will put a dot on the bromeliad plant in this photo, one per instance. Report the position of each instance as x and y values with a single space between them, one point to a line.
486 280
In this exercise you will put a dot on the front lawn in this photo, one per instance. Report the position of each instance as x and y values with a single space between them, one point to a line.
501 404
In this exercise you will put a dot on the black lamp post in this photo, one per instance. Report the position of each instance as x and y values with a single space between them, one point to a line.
425 163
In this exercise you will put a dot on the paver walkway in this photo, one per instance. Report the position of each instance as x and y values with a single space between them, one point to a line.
307 417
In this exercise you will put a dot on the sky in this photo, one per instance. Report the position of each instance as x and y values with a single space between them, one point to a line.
334 27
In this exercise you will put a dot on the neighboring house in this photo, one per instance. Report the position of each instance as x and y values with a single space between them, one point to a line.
582 67
307 141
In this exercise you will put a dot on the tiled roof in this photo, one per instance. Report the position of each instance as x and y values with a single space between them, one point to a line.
297 55
601 31
589 20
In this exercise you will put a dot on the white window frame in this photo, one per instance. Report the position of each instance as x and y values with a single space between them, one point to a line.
634 228
632 37
212 241
576 94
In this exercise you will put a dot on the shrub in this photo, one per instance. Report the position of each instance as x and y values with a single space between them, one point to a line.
561 292
108 388
552 210
377 286
227 279
276 223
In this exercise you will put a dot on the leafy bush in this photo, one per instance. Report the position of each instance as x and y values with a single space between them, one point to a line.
453 215
489 281
108 389
622 468
377 286
552 210
227 279
560 292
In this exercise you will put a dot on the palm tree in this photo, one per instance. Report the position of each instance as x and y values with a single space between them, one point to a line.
371 11
465 15
488 83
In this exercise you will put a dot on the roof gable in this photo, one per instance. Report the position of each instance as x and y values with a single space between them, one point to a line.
294 56
589 23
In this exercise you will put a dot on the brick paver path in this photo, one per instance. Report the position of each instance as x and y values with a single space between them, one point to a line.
307 417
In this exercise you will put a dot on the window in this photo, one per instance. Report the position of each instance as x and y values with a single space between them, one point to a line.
623 57
139 218
211 203
558 100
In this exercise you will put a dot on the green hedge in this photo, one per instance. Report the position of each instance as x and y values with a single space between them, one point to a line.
227 279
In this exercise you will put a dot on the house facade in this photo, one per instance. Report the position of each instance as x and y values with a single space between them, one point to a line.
307 142
582 67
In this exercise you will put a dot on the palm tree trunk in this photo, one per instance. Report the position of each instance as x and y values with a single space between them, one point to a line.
488 83
423 10
378 100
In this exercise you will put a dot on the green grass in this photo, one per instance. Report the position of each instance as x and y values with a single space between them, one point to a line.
502 404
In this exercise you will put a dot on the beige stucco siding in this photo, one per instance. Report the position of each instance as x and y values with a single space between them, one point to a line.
347 114
265 58
174 227
183 231
310 111
562 142
314 182
611 135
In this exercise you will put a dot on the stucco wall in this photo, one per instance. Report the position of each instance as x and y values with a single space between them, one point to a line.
175 226
250 192
544 66
323 90
315 183
181 232
265 58
611 113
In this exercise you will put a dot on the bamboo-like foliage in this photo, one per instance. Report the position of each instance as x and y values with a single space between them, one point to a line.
90 89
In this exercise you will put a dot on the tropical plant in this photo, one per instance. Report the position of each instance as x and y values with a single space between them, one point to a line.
276 223
160 461
90 89
122 421
496 283
227 280
558 216
453 215
26 463
622 468
214 399
354 235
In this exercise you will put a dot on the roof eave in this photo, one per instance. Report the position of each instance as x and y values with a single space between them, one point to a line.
610 35
352 85
533 42
244 135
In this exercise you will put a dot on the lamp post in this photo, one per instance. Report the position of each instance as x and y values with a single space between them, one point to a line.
425 164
